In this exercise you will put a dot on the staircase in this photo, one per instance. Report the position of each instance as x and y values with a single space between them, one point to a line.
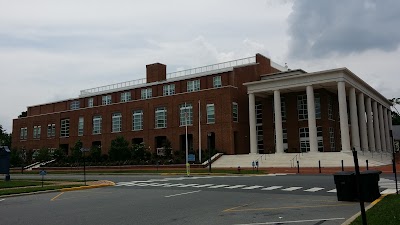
327 159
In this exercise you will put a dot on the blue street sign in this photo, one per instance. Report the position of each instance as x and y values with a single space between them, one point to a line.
191 158
43 172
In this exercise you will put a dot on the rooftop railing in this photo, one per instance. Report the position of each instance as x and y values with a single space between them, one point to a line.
182 73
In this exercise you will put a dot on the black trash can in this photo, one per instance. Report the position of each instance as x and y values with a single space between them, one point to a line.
346 188
370 185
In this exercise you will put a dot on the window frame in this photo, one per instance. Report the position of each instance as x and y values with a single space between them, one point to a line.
235 115
64 127
217 81
137 115
97 124
116 122
193 85
210 116
106 100
184 110
125 96
81 125
168 89
160 114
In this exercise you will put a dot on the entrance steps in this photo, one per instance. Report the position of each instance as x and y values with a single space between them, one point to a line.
309 159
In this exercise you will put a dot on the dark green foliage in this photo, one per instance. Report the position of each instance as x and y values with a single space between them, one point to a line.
119 149
76 151
59 154
95 154
5 138
43 155
15 158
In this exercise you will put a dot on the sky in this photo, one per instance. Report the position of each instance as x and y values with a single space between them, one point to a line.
50 50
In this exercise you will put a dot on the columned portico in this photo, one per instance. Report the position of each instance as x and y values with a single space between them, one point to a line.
344 126
371 135
278 122
387 135
252 124
362 122
376 127
389 116
382 128
312 124
355 135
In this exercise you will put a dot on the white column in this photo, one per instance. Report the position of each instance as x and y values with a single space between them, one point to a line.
355 134
387 135
252 121
382 128
371 136
344 124
376 127
278 122
362 122
312 123
389 116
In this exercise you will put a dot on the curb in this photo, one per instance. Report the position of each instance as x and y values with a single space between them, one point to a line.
106 184
351 219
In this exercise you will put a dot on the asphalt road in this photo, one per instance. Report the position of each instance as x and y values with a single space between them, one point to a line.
143 199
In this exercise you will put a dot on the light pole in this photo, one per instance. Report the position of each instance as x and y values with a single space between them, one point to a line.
83 150
186 140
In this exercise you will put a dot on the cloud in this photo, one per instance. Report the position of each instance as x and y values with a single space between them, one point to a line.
329 28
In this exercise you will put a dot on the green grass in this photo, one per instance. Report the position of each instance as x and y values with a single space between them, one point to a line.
33 189
19 183
385 212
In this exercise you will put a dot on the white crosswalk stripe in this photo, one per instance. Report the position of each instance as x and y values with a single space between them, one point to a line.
314 189
203 185
187 185
219 186
271 188
389 191
332 191
252 187
292 188
235 186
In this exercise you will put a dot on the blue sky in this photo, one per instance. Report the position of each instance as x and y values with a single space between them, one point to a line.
50 50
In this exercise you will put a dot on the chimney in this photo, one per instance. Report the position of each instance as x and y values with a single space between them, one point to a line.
156 72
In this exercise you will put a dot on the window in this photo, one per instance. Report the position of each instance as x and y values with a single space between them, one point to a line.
137 120
169 89
90 102
97 125
36 132
80 126
305 139
106 99
186 114
146 93
51 130
23 133
126 96
217 81
332 138
193 85
116 122
64 131
330 108
161 117
302 110
284 138
75 105
210 113
235 112
259 127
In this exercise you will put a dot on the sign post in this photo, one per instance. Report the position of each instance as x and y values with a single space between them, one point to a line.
83 150
42 173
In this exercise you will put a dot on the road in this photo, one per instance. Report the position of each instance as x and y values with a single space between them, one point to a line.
144 199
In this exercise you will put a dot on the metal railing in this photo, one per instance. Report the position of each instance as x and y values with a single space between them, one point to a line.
182 73
294 159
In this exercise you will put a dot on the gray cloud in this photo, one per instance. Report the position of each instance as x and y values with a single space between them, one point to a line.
326 28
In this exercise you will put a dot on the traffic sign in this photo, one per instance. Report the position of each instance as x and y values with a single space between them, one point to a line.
43 172
191 157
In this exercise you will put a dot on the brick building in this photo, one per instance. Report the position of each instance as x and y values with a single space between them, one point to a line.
152 110
239 102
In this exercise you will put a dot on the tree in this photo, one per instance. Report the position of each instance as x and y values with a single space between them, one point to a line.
43 155
95 153
5 138
395 113
119 149
59 154
76 150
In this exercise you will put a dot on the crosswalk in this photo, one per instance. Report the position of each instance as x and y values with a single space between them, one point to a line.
387 185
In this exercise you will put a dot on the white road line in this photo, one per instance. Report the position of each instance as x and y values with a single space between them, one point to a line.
172 185
332 191
293 221
203 185
292 188
271 188
314 189
187 185
182 194
389 191
235 186
2 200
219 186
252 187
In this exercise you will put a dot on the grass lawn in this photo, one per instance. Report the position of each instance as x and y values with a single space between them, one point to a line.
19 183
34 189
25 186
386 212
